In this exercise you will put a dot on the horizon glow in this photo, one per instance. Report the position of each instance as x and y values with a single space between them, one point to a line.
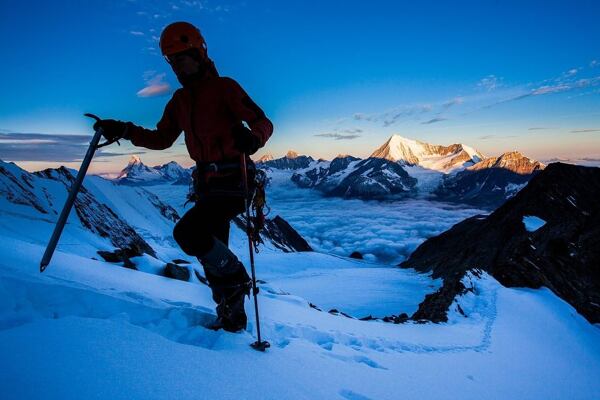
496 77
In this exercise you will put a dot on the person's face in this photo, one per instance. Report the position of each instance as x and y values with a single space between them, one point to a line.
183 64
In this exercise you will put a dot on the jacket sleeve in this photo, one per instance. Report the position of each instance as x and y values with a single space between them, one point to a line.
166 132
243 108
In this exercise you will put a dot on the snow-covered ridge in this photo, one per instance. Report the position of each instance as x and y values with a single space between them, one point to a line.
435 157
512 161
350 177
137 173
456 173
102 212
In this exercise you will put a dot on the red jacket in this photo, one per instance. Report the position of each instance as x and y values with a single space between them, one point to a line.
206 111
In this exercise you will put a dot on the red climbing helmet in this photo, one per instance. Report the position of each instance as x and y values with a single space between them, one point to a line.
181 36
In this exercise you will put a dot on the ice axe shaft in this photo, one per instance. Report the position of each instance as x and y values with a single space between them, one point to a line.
62 219
260 345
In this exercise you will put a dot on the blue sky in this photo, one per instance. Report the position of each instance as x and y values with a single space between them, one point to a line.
338 77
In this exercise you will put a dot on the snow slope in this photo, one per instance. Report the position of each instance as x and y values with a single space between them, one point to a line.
87 329
90 329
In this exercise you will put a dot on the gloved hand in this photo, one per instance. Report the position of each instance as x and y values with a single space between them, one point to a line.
113 129
244 140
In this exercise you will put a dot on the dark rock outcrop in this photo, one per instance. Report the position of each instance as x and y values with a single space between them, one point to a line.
356 254
165 210
435 306
279 232
563 254
121 255
175 271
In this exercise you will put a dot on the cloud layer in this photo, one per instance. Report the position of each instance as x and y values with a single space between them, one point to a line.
382 231
155 86
345 134
47 148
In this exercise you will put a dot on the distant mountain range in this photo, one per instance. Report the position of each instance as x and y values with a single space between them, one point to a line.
137 173
399 168
405 167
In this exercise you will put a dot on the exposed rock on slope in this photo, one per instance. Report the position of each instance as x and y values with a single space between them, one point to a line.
562 254
279 232
99 218
16 186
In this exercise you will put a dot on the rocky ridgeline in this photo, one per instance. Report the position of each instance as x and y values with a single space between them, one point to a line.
490 182
290 161
97 217
562 252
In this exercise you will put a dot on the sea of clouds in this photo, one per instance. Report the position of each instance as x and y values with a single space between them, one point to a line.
385 232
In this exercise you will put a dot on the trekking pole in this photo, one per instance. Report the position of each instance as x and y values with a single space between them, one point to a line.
62 219
260 345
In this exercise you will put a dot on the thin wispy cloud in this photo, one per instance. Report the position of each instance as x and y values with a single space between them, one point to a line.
355 130
47 147
572 72
537 128
454 102
394 115
489 83
495 93
153 15
338 136
584 130
155 85
487 137
560 85
434 120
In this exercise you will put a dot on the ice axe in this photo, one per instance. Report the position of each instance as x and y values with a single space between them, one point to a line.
62 219
260 345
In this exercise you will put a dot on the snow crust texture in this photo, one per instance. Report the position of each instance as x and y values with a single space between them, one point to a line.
92 329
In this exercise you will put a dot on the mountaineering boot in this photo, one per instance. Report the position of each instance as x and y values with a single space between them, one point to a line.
229 283
229 297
